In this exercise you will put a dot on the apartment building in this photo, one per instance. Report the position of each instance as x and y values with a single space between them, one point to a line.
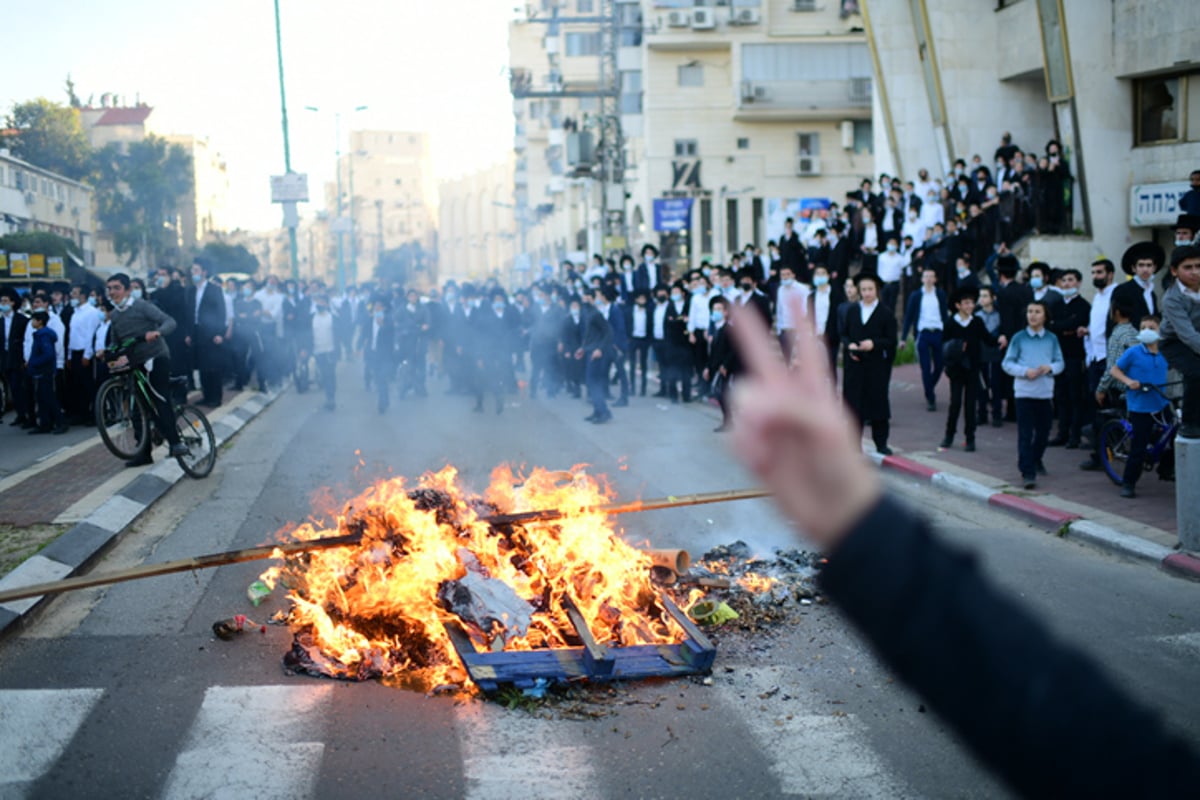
204 214
478 230
36 199
734 115
1116 81
389 194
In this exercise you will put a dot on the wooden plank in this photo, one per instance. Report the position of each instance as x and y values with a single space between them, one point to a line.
598 658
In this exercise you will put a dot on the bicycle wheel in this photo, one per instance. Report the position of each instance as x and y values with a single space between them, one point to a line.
1115 440
121 418
197 435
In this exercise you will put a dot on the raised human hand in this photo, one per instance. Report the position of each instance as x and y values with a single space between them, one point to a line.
794 432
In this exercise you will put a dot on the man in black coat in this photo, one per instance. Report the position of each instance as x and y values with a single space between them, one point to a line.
1012 299
596 352
1071 316
1141 261
377 342
544 336
723 361
207 326
171 297
494 329
12 355
791 252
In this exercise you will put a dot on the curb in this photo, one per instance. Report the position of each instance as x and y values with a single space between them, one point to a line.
69 553
1065 523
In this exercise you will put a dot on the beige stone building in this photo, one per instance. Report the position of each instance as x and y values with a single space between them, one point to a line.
478 231
1116 81
735 114
204 214
389 197
36 199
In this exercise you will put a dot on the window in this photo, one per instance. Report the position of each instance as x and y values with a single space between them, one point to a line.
756 218
686 148
864 137
691 74
631 91
743 143
731 224
585 6
583 44
535 109
1158 109
809 143
706 226
790 61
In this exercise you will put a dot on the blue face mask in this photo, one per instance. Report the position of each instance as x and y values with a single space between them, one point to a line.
1070 292
74 302
499 307
1147 336
135 293
1036 282
5 308
197 278
820 280
379 315
717 315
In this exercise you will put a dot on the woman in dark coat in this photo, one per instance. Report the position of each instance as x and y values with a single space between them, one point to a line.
870 347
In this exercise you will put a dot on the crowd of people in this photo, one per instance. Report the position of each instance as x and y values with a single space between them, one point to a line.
1015 345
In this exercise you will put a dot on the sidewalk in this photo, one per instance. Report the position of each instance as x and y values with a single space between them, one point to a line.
85 486
58 479
1075 503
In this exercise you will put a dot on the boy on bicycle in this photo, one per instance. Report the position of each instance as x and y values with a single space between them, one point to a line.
141 319
1143 370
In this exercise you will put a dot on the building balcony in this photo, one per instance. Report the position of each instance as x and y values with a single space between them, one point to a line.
801 100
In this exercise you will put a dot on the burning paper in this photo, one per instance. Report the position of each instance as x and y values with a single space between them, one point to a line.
426 558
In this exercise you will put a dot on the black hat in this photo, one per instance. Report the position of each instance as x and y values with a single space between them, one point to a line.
1140 250
869 276
647 247
1189 221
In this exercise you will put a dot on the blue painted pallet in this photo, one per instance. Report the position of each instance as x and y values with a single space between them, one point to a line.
592 661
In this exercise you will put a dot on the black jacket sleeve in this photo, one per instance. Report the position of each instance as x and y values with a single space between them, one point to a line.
1041 714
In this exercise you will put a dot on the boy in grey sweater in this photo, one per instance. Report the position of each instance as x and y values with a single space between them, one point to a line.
1181 332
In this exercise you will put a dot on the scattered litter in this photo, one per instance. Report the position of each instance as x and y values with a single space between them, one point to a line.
257 592
227 629
489 604
708 612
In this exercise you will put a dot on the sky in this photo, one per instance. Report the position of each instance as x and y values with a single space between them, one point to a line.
210 69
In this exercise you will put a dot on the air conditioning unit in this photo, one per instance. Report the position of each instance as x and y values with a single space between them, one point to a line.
808 165
751 92
744 16
679 19
703 19
847 129
859 90
557 185
804 5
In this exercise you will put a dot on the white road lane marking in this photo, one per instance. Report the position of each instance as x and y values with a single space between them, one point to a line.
812 754
252 741
36 725
509 756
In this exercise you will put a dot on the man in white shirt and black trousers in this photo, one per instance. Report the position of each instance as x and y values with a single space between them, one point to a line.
926 315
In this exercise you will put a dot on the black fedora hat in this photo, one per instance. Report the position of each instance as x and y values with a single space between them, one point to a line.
1189 221
1141 250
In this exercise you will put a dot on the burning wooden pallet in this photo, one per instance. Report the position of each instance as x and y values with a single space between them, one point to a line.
592 661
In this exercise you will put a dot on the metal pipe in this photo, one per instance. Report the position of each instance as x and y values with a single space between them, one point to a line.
294 548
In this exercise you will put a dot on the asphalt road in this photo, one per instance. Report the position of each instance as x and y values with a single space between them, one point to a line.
124 692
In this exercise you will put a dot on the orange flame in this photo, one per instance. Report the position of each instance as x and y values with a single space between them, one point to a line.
756 584
373 609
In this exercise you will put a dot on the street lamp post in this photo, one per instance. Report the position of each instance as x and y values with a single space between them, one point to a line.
287 147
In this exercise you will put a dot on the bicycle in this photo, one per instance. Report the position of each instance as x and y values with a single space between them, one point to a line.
124 410
1116 439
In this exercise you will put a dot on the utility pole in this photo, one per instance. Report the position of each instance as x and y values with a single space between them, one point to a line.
611 140
289 209
353 229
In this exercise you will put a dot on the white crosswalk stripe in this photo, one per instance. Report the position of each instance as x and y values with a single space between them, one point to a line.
512 756
1189 641
812 754
36 725
252 741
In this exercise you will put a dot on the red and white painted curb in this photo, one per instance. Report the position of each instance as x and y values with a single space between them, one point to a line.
1071 525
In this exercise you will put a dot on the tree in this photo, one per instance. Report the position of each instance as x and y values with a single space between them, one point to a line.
48 135
137 195
72 98
223 257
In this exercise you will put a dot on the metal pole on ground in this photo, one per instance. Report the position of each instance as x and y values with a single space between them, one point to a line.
1187 492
